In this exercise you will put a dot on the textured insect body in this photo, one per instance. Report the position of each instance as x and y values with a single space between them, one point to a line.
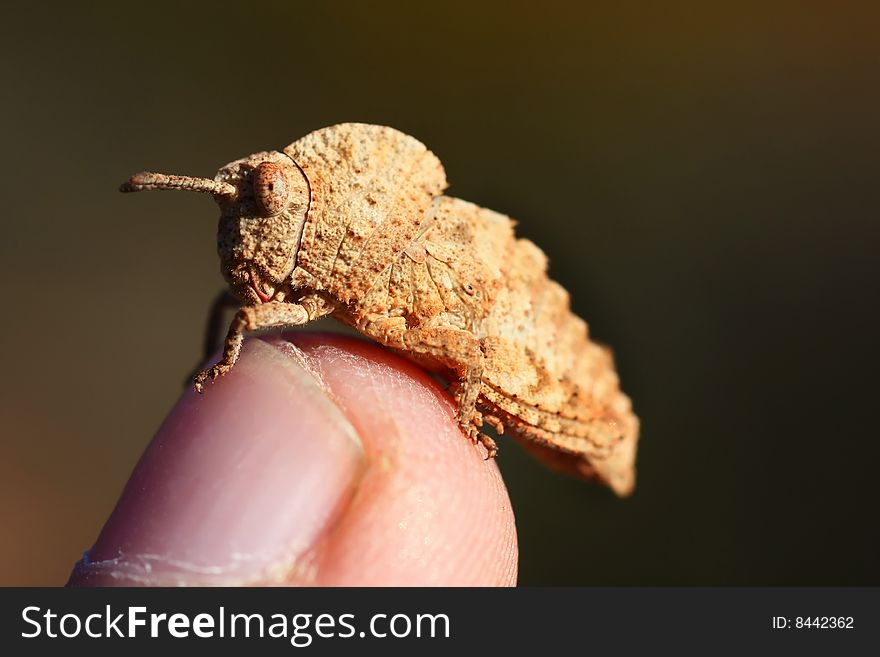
350 221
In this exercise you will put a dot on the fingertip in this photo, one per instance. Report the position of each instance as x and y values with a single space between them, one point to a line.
323 460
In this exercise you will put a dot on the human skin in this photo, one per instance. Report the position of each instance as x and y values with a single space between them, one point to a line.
319 460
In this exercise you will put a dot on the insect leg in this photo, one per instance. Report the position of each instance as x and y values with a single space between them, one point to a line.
214 328
251 318
454 348
460 351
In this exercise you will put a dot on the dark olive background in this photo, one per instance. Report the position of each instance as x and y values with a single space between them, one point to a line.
704 180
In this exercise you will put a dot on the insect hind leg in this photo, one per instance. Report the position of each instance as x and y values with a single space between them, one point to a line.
454 348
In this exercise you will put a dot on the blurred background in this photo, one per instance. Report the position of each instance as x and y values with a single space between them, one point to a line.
704 180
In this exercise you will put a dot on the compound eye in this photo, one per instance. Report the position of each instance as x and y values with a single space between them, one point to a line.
271 189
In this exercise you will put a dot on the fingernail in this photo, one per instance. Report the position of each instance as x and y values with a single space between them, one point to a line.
237 486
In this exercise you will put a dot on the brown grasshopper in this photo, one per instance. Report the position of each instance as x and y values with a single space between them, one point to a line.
350 221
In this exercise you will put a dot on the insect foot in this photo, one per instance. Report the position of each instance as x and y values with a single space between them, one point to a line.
490 445
210 373
472 429
351 221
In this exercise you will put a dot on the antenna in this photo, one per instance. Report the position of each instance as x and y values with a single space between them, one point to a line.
146 181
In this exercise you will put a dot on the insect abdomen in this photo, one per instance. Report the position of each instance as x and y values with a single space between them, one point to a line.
549 382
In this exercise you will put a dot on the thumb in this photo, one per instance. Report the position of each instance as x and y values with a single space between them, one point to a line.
323 461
